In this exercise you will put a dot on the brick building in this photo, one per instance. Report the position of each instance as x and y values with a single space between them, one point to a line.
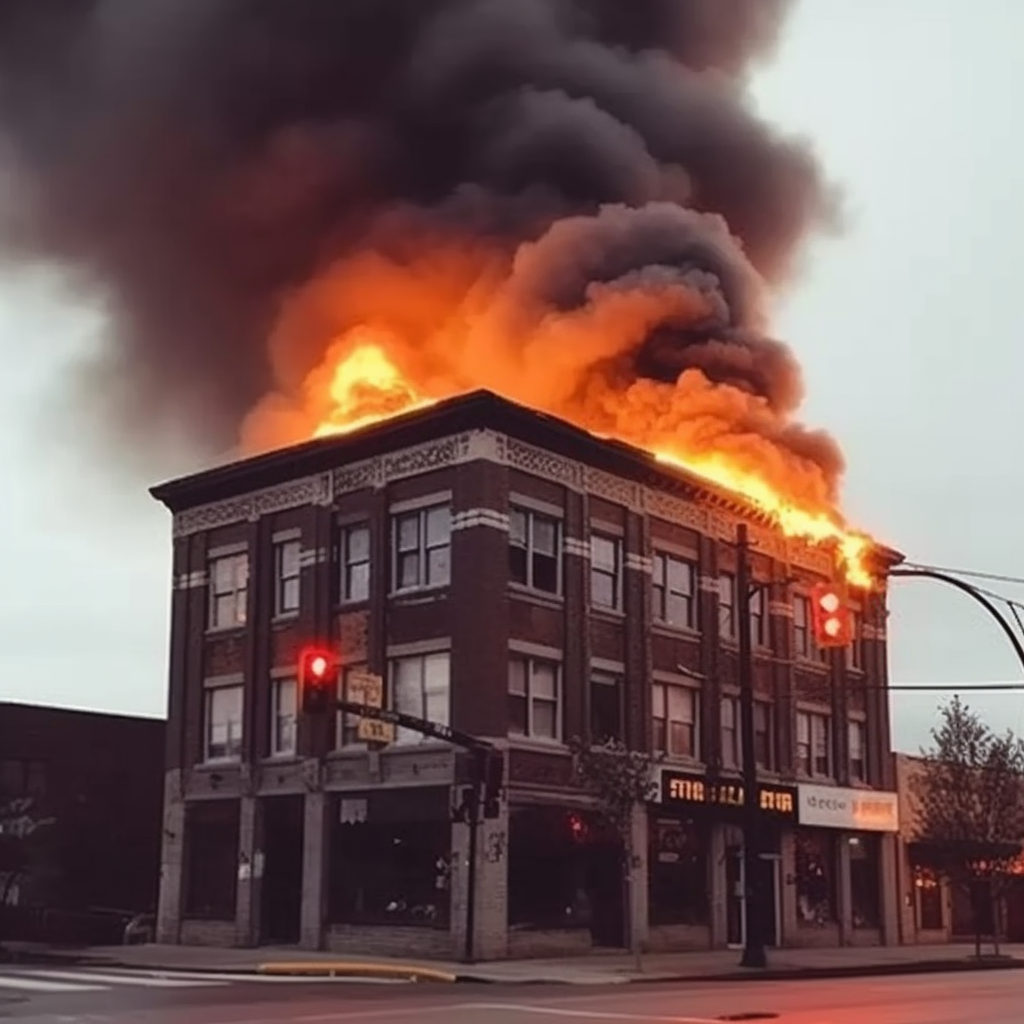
95 782
525 582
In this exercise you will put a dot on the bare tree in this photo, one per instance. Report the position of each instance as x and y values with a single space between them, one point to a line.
20 822
621 780
969 801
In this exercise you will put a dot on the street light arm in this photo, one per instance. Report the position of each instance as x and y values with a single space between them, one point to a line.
953 581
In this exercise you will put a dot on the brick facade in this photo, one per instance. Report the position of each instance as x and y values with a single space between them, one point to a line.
487 461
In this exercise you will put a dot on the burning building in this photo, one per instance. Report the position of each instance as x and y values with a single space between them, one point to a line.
524 581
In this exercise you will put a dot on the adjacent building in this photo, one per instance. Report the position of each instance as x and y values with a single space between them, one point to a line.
525 582
80 821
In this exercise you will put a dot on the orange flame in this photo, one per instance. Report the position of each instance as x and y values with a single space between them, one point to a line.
416 333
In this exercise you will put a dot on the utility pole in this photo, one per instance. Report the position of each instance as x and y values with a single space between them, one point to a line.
753 932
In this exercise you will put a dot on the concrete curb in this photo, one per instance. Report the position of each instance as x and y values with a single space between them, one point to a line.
350 969
418 972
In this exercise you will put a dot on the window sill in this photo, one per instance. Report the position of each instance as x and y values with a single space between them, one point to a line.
679 760
282 759
356 603
220 632
539 597
668 629
420 595
285 619
610 614
538 743
214 764
802 661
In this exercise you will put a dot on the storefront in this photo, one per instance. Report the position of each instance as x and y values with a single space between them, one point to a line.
696 878
844 866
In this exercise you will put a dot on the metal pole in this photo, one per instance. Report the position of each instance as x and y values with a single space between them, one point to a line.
753 937
473 820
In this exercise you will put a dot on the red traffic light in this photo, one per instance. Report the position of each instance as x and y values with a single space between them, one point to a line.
318 674
831 619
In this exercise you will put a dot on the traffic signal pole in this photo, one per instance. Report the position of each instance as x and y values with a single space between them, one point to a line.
753 901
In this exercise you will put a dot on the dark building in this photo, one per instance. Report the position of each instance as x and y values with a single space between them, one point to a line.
525 582
81 794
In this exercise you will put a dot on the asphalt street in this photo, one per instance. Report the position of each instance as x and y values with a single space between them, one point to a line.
33 996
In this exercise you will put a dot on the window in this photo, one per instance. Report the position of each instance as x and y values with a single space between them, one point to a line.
534 705
286 577
677 874
855 649
422 541
605 707
533 550
727 606
675 719
758 621
223 724
801 627
815 871
858 764
284 694
605 572
814 744
673 584
865 881
211 859
229 591
420 687
929 900
730 732
348 725
354 559
764 735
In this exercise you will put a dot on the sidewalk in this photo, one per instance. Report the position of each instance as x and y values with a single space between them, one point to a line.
599 968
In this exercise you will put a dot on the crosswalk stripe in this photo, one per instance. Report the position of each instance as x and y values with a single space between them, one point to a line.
33 985
146 980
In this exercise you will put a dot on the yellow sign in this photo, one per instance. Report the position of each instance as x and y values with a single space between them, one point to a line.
368 688
687 789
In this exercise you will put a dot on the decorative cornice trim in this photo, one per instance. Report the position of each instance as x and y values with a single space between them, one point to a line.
472 517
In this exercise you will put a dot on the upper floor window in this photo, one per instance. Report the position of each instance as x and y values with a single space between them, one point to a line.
422 548
730 717
814 744
229 591
758 619
420 686
605 571
855 649
348 725
606 711
858 758
283 717
764 735
801 626
286 577
222 723
727 606
673 588
354 558
534 698
533 552
674 713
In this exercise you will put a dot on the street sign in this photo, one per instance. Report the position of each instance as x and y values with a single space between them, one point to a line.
367 688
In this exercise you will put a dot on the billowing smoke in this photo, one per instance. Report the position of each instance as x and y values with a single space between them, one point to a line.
201 163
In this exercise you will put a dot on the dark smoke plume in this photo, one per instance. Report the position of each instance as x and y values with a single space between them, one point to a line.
194 160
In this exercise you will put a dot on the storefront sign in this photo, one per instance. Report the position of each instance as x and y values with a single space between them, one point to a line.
696 790
857 810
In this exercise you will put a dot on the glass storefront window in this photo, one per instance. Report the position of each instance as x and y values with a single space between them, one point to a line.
815 878
929 900
865 880
677 877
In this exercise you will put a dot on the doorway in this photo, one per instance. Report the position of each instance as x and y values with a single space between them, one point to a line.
281 889
735 899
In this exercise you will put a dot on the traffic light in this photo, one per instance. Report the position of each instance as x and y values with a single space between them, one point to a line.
318 681
494 776
830 616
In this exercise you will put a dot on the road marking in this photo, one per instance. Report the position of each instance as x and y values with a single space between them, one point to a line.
143 979
26 984
546 1011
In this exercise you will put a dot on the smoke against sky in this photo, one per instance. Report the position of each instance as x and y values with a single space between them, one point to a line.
212 168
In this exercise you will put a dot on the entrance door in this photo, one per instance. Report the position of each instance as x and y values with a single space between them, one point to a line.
281 891
735 901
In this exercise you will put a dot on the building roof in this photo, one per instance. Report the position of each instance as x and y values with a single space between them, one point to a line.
476 410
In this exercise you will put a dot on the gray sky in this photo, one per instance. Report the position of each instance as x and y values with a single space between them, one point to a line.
909 326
